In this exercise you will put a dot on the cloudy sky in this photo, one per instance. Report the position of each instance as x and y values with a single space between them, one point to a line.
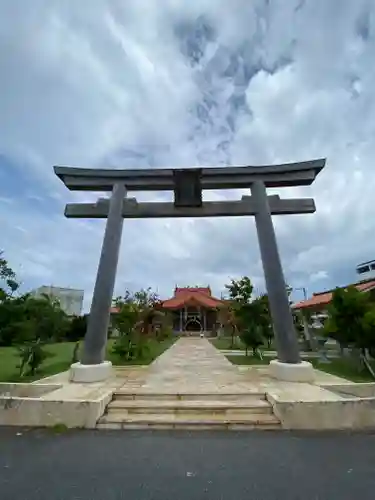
144 83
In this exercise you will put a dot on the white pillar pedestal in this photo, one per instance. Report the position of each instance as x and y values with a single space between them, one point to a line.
90 373
292 372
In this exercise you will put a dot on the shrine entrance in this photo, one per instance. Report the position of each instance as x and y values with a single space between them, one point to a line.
193 325
187 185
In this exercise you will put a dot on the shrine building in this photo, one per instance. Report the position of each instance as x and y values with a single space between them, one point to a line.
194 311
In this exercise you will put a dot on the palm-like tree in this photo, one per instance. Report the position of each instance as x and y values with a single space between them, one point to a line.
228 320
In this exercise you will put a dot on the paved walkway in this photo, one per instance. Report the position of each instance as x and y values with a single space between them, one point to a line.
194 365
191 365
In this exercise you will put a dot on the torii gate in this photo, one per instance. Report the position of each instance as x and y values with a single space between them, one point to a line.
187 185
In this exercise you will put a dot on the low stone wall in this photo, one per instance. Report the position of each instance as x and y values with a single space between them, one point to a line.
360 390
35 411
349 413
26 390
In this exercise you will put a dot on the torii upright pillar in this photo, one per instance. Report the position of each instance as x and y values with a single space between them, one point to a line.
93 366
288 366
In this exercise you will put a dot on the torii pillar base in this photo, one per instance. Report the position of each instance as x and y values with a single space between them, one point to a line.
90 373
292 372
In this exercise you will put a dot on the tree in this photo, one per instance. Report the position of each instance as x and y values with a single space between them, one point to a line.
302 319
145 298
346 314
11 319
136 313
251 314
25 318
369 332
28 322
50 323
124 322
11 307
32 356
351 322
228 321
261 310
7 279
77 328
240 291
251 336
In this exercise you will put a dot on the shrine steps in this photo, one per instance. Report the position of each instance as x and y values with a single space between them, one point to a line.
188 411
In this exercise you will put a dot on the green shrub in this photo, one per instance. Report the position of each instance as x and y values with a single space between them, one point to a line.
252 337
125 348
32 356
164 333
76 329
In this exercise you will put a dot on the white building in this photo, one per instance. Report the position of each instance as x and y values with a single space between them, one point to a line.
366 270
70 299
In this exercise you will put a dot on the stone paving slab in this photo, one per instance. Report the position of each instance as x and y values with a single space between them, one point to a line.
132 376
191 365
194 365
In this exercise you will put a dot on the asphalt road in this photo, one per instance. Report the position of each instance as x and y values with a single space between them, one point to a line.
80 465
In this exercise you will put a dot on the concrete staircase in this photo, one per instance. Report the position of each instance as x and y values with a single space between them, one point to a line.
188 411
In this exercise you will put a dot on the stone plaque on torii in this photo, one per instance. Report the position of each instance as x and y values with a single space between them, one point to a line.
187 185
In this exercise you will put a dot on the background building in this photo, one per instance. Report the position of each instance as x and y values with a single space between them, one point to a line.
71 300
318 303
366 270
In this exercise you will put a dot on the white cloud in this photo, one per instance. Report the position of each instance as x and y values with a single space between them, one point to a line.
162 83
319 275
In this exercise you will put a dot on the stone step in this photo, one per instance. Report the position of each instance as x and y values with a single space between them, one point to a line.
213 422
147 396
229 408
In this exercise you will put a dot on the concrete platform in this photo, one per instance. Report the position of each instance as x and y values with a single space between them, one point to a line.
55 400
191 370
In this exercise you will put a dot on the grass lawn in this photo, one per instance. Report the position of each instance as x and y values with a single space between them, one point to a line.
248 360
155 349
62 358
340 367
343 368
60 361
225 343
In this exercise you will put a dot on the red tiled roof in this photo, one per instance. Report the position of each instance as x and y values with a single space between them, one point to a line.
205 290
192 296
324 298
187 296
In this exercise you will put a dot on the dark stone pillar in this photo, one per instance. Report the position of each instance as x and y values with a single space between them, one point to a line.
285 334
98 321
